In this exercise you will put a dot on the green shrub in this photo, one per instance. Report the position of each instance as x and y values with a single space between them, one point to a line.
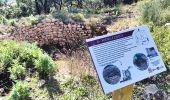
22 55
62 16
161 36
20 92
78 17
3 20
165 15
6 57
165 3
151 11
1 66
29 54
12 12
17 71
27 21
156 11
93 21
9 50
44 65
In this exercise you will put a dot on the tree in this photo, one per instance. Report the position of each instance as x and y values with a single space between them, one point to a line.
43 6
57 3
3 2
26 6
110 2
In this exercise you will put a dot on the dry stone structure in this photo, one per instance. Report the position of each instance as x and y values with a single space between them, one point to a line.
56 32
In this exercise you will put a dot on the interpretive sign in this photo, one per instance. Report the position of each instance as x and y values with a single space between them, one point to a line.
125 57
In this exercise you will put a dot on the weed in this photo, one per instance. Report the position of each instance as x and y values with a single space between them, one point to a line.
44 65
20 92
17 70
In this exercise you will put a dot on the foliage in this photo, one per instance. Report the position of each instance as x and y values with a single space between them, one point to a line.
20 92
63 16
3 20
20 56
17 71
26 6
165 3
2 2
11 12
1 65
44 65
165 15
27 21
161 36
78 17
156 11
93 21
22 9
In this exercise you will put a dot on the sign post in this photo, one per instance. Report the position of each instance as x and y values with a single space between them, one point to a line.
123 58
123 93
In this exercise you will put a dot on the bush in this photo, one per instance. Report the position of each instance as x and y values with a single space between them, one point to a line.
63 16
161 36
44 65
6 53
78 17
156 11
165 3
1 67
151 11
20 56
12 12
27 21
17 71
20 92
93 21
3 20
29 53
165 15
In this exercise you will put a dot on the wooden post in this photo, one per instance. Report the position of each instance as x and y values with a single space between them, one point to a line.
123 93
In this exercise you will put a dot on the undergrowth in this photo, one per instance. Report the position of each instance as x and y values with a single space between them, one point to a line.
21 60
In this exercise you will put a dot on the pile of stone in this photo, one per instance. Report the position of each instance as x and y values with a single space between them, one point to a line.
56 32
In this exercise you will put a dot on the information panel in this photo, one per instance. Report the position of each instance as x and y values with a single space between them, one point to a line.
125 57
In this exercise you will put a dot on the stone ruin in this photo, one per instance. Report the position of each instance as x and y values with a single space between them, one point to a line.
50 31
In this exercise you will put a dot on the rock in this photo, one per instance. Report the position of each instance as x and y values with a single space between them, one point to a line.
161 95
167 78
151 89
2 91
41 83
28 79
167 24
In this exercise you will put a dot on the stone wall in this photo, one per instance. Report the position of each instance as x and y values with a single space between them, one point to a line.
55 32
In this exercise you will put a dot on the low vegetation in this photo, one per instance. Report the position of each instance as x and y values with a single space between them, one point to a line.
156 11
21 60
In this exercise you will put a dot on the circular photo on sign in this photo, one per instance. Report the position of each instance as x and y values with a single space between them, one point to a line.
111 74
140 61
